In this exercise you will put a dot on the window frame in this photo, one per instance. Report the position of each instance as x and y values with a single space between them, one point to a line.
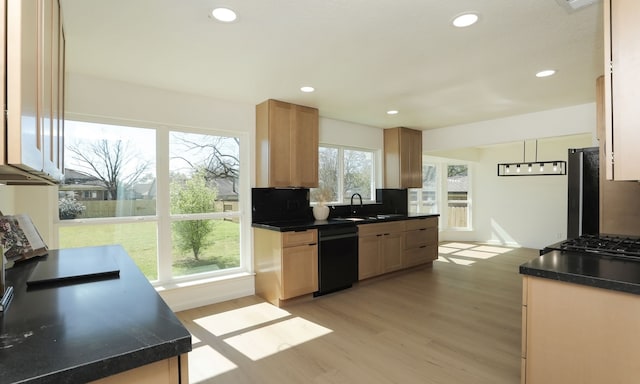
342 200
468 200
163 217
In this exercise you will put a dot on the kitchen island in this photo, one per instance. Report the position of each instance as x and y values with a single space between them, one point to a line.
580 319
112 328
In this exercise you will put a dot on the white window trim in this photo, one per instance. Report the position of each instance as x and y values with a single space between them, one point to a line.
163 217
374 173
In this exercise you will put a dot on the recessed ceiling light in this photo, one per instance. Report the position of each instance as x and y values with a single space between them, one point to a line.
392 112
307 89
465 20
225 15
545 73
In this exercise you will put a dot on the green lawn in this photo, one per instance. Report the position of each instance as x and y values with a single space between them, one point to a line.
140 241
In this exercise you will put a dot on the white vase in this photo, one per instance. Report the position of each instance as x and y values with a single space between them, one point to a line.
320 212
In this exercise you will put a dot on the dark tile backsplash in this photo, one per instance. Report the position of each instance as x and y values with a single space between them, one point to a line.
279 204
289 204
393 200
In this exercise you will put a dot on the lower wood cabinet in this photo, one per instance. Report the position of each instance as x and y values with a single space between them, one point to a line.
379 248
574 333
174 370
286 264
421 241
391 246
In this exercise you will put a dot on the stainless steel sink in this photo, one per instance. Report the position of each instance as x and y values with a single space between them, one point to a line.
349 218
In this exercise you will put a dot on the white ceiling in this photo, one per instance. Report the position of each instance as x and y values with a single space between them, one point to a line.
364 57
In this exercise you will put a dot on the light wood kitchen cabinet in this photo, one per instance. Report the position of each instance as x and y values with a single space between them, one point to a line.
174 370
31 150
402 158
379 248
286 264
622 81
421 241
286 145
574 333
619 203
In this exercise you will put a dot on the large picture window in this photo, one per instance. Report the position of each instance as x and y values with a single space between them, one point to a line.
169 197
343 171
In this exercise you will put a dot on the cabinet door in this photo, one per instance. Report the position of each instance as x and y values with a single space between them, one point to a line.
304 156
368 256
24 131
391 246
415 160
299 270
280 143
622 55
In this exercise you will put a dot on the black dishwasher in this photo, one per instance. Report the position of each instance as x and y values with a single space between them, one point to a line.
337 259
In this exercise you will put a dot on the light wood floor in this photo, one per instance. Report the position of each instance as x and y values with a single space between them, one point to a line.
458 322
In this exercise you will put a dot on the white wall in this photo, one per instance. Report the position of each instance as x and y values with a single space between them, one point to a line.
520 211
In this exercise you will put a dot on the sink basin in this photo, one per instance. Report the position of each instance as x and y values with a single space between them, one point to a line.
349 218
367 218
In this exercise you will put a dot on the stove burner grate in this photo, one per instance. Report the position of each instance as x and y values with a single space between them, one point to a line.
619 246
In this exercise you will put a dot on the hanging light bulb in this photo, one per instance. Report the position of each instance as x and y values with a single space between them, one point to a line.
529 168
518 168
541 167
555 167
507 168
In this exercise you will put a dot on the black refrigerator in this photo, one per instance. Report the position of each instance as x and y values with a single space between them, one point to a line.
584 192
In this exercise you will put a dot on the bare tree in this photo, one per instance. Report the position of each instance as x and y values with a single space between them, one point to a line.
221 157
114 163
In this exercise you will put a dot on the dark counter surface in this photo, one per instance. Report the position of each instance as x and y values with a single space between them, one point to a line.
586 269
85 330
302 225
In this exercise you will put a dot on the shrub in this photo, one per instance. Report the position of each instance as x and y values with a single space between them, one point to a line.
69 208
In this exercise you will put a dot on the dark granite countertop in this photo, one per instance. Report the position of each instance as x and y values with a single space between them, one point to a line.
303 225
586 269
87 330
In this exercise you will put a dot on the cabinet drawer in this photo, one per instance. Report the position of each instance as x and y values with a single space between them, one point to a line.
418 237
428 222
293 239
381 228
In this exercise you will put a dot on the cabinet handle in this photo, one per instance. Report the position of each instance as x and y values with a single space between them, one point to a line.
423 229
380 234
423 246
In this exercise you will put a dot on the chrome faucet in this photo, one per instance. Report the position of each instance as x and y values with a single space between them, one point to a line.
352 196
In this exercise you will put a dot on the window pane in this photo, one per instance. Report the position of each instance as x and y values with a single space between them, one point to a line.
429 188
458 195
204 172
109 171
138 239
205 245
327 190
358 169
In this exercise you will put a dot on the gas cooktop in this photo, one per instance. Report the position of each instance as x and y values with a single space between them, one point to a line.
611 245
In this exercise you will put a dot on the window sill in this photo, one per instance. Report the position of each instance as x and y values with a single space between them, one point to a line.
170 285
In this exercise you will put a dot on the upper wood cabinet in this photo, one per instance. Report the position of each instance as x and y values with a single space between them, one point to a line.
402 158
32 150
622 81
286 145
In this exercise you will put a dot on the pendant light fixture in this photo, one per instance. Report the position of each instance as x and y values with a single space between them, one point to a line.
532 168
